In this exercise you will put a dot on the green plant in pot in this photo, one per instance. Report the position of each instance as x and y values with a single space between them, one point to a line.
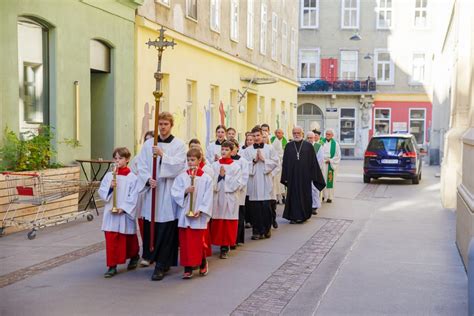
30 150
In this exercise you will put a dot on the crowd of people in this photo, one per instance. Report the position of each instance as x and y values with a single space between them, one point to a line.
185 198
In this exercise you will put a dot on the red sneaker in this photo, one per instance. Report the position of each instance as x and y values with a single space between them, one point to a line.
203 271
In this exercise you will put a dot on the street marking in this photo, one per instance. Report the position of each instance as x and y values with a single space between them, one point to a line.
35 269
276 292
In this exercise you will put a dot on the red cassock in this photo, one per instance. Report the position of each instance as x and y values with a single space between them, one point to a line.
193 246
224 231
120 247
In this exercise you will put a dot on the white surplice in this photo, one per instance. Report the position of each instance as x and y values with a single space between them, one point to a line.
126 196
169 167
315 192
212 150
202 200
226 191
260 183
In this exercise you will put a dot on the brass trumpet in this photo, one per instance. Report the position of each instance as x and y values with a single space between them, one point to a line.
115 209
190 213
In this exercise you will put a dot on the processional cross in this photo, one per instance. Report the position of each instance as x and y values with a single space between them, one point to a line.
161 43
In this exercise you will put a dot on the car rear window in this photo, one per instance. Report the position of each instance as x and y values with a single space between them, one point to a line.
391 144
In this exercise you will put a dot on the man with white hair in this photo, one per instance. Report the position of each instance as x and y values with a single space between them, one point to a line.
332 157
300 169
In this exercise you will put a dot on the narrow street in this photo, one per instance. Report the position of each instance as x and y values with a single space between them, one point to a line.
383 248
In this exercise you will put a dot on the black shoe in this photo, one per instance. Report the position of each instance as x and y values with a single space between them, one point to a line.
255 237
329 201
233 247
133 264
292 222
110 273
315 211
248 225
158 274
275 224
268 235
224 255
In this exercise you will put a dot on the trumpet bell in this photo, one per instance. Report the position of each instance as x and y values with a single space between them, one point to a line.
190 214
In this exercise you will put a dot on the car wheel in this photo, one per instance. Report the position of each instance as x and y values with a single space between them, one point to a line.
416 179
366 179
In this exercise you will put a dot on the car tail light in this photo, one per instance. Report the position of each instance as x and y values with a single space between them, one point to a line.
370 154
410 154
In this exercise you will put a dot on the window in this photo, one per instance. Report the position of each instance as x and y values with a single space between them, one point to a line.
190 108
417 124
33 73
418 68
263 29
421 11
191 9
250 18
384 69
214 98
234 20
347 125
309 64
384 14
164 2
274 35
293 48
382 121
216 15
349 64
309 14
350 14
284 43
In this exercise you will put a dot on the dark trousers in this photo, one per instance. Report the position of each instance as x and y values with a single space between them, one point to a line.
273 205
241 227
165 252
261 217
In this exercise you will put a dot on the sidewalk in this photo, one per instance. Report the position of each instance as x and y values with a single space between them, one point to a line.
382 248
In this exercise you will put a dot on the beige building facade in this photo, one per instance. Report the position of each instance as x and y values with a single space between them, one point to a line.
365 68
453 96
235 63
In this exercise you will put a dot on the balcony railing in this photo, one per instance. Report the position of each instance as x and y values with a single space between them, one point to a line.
338 85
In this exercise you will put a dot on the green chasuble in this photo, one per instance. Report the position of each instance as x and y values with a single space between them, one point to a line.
283 141
332 153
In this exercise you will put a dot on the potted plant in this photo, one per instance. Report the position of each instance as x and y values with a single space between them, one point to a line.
32 152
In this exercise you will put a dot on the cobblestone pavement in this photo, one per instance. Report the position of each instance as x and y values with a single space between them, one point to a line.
277 291
27 272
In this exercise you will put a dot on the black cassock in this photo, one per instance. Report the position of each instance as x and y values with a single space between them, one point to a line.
297 175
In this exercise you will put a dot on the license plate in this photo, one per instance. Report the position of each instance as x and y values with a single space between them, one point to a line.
390 161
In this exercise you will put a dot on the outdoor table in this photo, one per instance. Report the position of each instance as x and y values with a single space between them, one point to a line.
94 176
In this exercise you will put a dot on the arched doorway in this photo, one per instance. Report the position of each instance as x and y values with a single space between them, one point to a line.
102 93
310 116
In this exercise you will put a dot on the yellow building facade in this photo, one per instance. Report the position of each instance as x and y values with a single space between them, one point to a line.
200 76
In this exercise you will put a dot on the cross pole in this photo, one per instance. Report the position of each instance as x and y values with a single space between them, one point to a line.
160 44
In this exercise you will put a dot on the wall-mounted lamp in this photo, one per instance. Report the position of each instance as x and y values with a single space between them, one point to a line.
368 56
355 37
